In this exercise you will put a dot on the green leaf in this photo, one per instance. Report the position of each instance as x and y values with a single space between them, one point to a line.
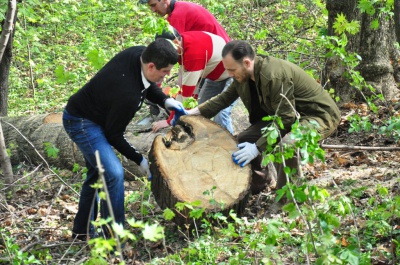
340 23
366 6
375 24
95 59
153 232
190 103
291 209
353 27
350 256
180 206
168 214
61 75
136 224
300 196
51 149
272 137
197 213
123 233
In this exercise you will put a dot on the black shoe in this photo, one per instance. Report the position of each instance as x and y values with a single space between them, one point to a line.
80 237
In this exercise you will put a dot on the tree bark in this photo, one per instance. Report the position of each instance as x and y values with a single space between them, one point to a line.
397 19
379 65
7 26
6 40
6 166
5 44
193 162
26 137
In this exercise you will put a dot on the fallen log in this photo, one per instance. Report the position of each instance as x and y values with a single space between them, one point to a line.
193 162
26 136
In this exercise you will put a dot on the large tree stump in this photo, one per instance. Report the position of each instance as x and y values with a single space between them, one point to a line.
195 157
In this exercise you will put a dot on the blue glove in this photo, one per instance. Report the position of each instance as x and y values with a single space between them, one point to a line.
172 104
246 153
145 168
177 115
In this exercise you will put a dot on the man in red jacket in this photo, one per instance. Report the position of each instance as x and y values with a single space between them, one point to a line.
200 58
186 16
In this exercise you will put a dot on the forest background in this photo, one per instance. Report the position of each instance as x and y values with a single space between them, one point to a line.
349 47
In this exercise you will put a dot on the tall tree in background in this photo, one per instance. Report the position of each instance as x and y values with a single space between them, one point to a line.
5 50
397 19
6 41
380 58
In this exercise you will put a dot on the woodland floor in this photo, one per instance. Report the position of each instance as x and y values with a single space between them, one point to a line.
42 212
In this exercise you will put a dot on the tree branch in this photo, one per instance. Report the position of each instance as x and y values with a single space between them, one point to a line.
354 147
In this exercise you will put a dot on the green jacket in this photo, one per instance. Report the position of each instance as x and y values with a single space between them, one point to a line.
274 77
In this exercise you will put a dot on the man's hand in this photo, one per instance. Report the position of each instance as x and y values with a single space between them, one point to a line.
158 125
172 104
247 152
195 111
145 168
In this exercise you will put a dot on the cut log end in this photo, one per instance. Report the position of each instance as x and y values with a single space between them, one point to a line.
193 162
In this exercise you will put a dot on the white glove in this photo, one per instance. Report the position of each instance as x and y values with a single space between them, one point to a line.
145 168
172 104
246 153
194 111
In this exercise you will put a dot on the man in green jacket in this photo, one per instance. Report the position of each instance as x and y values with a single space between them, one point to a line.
269 86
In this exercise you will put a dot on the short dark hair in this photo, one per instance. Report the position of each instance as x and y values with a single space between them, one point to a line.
238 49
161 52
171 34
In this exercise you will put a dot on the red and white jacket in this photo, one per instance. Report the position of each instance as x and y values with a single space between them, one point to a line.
187 16
201 58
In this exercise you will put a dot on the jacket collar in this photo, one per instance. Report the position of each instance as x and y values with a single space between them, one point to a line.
258 62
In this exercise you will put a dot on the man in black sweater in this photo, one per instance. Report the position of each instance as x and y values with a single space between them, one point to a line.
96 118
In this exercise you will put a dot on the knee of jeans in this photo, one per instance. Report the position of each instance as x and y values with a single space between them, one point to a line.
115 174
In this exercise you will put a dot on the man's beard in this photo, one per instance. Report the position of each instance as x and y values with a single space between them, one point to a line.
244 77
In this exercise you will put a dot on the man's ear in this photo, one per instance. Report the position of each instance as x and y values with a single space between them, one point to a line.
151 66
247 62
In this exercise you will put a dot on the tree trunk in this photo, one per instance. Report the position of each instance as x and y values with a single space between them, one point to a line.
193 162
6 166
379 65
397 19
26 136
5 47
6 40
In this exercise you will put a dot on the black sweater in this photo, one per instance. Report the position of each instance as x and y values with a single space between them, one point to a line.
113 96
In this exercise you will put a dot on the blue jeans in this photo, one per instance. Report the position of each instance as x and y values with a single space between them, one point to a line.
89 137
212 88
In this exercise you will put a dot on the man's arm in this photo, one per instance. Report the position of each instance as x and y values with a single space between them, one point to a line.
155 95
190 80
